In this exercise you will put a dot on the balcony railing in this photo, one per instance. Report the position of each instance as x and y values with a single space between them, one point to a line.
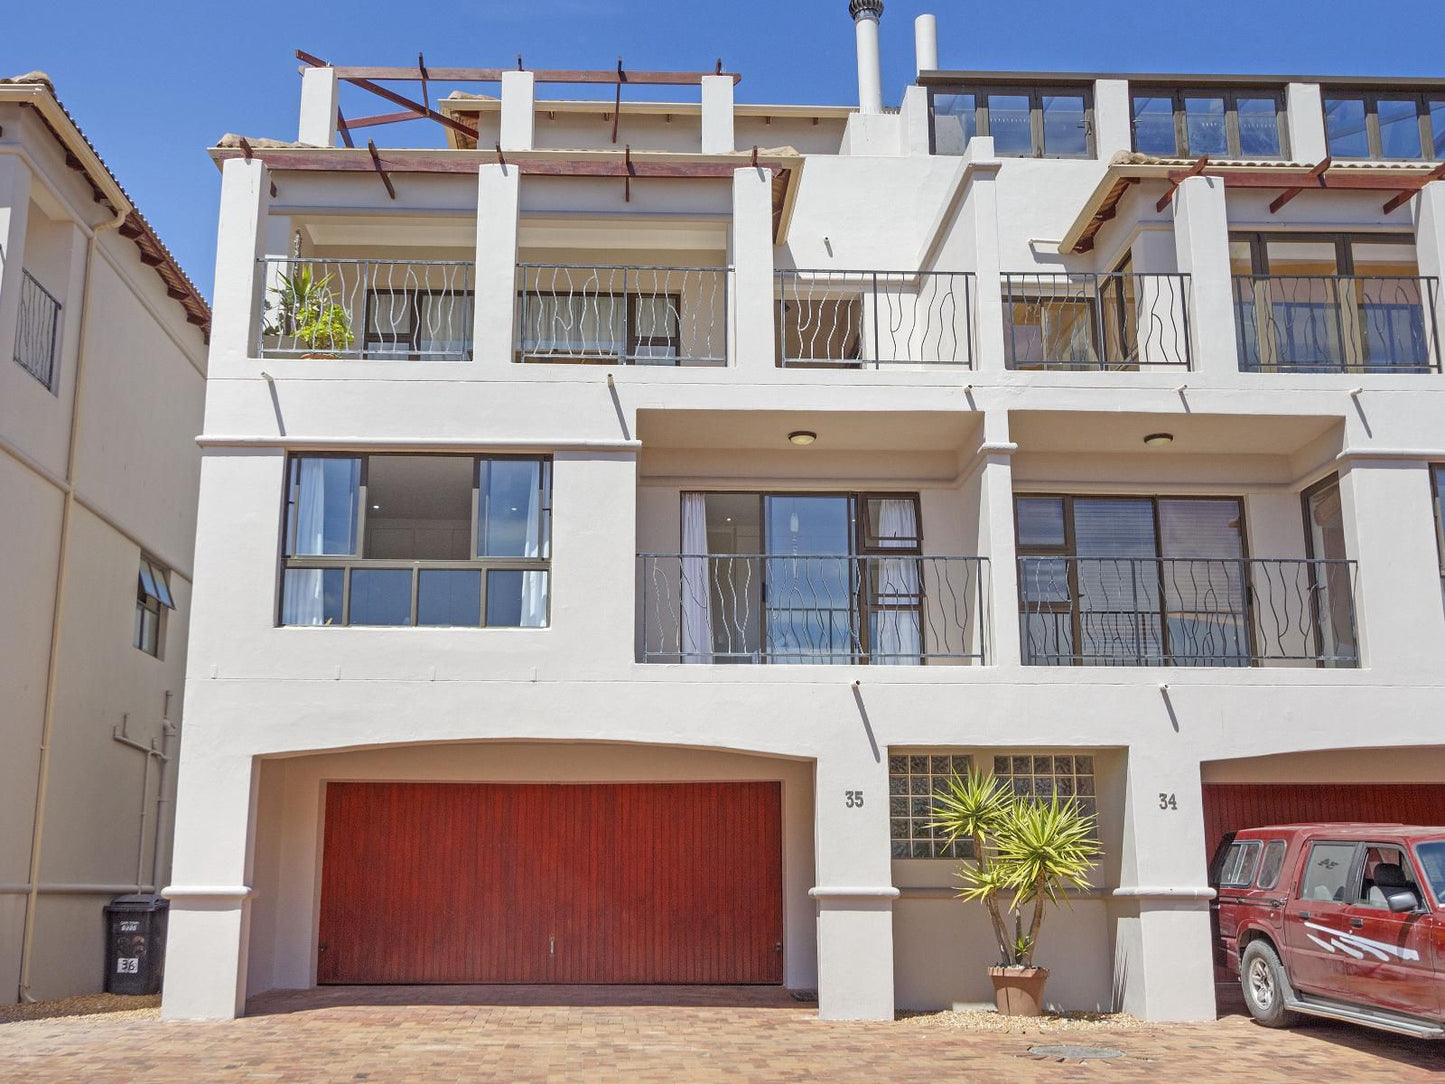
1145 611
417 310
1336 323
623 315
37 335
863 319
1087 321
750 608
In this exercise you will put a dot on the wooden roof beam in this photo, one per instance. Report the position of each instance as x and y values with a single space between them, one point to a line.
380 172
1195 170
421 73
1406 194
1316 173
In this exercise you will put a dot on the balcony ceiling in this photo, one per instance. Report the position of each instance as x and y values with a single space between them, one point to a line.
767 430
1194 434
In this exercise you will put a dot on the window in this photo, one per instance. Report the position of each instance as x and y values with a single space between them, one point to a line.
152 599
913 780
426 540
1398 872
1049 775
601 327
37 332
1388 125
418 324
1273 863
1330 574
1327 872
1240 864
1437 494
1177 122
1025 122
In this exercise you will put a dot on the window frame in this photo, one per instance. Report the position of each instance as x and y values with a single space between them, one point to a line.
1352 875
631 341
1036 93
372 344
357 561
1255 848
1231 96
153 599
1271 846
1421 99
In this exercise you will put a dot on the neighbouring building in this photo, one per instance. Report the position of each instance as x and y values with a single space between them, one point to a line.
102 387
616 523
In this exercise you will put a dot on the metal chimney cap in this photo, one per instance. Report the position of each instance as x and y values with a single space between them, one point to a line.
864 8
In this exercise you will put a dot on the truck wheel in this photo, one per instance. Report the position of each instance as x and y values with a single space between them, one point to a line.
1265 984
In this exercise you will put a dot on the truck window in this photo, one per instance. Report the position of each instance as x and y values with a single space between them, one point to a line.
1327 871
1240 864
1271 864
1398 871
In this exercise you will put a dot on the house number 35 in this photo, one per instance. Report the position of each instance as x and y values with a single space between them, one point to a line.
853 799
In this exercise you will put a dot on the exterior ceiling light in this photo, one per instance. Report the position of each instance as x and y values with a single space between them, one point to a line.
1155 440
802 437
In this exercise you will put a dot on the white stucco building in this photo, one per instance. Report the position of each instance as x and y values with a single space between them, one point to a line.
613 525
102 385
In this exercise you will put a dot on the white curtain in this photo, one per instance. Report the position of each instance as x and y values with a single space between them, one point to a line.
695 588
534 584
303 601
896 631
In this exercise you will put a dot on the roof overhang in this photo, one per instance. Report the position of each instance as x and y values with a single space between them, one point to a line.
1354 82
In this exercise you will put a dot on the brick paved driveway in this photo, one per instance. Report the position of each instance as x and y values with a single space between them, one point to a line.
642 1035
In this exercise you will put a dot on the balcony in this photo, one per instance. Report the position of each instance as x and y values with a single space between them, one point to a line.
1092 322
37 334
1336 324
386 310
869 319
623 315
839 610
1148 611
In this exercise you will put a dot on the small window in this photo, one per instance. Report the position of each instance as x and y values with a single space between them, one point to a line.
1385 867
1437 493
1271 865
1040 521
1240 864
913 780
153 598
1391 126
1327 872
1187 122
1024 122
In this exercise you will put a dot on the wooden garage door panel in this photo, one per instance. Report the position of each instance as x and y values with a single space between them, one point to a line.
1229 807
623 883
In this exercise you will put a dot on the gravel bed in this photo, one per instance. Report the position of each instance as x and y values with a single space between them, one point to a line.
987 1020
142 1007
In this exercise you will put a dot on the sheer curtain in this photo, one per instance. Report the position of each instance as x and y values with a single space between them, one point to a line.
534 584
695 589
896 635
303 600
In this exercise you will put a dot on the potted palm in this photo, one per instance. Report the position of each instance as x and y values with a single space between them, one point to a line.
1026 851
305 310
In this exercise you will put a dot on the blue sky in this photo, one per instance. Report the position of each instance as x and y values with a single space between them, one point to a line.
154 83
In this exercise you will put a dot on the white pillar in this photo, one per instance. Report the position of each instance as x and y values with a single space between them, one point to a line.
1429 208
866 14
240 239
1201 245
925 43
753 345
519 111
14 212
996 494
1305 116
498 208
717 114
914 121
1113 118
978 219
319 88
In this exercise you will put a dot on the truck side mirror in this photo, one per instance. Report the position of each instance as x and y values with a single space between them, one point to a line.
1400 900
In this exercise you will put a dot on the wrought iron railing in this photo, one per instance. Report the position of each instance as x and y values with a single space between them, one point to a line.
1147 611
37 335
418 310
863 319
623 315
750 608
1089 321
1336 323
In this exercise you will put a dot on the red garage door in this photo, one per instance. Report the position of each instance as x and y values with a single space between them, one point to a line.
1228 807
534 883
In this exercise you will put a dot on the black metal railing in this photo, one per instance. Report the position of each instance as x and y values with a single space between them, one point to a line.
37 335
751 608
623 315
1336 323
862 319
418 310
1092 321
1148 611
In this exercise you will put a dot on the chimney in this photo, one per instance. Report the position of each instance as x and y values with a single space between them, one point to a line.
925 43
866 14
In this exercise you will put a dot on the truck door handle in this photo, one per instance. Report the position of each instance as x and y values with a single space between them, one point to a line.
1304 914
1356 923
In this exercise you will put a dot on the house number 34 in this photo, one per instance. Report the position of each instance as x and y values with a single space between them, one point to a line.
853 799
1167 801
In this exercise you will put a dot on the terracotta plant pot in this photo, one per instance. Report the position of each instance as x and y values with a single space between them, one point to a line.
1019 991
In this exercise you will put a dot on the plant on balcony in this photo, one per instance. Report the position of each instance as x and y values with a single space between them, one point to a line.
305 310
1026 851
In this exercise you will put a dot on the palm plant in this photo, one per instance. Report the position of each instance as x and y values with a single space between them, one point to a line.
1025 851
305 309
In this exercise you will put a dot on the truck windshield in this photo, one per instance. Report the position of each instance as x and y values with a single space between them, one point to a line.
1432 860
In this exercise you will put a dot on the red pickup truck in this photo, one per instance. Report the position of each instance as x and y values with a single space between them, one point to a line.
1345 921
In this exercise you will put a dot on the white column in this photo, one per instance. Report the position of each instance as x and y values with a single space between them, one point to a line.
498 209
753 346
996 490
206 940
854 891
319 88
519 111
870 79
925 43
1429 208
14 212
1201 245
1113 118
240 239
979 221
1304 107
717 115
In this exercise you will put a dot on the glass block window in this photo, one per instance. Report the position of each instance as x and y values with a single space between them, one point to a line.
913 780
1049 774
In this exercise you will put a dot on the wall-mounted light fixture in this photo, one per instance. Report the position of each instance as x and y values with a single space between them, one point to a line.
802 437
1155 440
